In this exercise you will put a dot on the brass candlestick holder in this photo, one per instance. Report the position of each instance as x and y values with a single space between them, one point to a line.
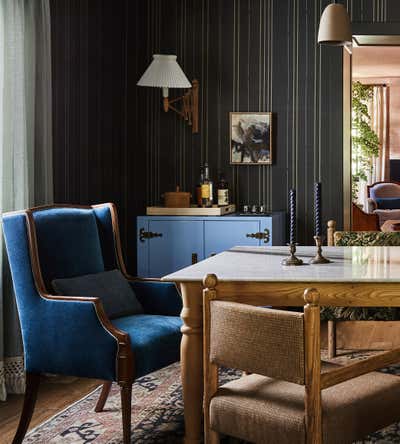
318 258
292 259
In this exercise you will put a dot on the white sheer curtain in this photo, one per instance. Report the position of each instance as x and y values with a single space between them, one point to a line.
378 109
379 112
25 148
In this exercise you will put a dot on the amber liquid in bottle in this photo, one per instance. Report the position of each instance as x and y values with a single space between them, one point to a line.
206 188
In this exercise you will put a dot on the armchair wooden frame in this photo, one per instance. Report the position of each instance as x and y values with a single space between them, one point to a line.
315 381
362 221
379 183
125 362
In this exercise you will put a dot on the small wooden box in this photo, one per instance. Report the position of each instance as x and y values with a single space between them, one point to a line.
176 199
191 211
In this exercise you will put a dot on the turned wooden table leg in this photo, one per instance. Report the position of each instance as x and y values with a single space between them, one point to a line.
192 360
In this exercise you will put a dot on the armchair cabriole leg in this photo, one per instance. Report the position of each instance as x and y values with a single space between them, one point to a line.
126 402
105 391
31 391
125 378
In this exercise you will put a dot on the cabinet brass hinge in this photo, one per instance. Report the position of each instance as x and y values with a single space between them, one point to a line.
147 235
264 235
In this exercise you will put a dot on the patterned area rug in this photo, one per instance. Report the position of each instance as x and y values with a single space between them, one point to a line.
157 414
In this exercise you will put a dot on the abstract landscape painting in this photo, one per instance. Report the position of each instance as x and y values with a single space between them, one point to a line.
251 137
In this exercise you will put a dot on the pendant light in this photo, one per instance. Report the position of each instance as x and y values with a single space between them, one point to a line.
335 26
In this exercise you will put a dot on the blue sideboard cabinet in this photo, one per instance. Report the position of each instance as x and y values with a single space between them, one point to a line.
168 243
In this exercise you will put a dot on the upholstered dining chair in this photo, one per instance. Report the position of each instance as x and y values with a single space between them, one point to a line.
286 395
73 335
362 238
336 314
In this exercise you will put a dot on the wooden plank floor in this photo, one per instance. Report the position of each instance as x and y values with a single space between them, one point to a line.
55 394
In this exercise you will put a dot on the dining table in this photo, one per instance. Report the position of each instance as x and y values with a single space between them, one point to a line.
355 277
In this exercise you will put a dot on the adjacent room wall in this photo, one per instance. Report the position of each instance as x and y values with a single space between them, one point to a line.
113 142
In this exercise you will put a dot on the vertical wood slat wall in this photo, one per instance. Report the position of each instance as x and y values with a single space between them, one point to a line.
112 141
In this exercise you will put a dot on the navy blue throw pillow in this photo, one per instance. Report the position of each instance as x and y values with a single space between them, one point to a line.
388 203
111 287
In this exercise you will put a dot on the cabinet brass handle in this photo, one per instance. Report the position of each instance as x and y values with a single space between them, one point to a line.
260 235
147 235
194 258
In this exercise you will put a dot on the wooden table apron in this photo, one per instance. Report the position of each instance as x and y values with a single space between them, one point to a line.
340 294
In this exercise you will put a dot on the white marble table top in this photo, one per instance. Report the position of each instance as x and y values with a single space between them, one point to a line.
263 264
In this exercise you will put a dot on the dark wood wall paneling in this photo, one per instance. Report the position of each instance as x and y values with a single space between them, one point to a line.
112 141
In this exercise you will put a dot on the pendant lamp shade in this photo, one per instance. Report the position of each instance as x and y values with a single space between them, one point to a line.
335 26
164 72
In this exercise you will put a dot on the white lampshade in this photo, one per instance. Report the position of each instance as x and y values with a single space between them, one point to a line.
164 72
335 26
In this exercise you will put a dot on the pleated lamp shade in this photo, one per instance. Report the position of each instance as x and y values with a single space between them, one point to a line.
164 72
335 26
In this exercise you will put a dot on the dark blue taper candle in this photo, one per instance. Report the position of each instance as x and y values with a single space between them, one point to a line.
317 208
292 214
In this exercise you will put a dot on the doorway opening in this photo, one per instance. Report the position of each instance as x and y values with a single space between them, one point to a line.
371 131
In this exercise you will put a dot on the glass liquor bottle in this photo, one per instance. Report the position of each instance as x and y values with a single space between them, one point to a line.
198 188
223 191
206 188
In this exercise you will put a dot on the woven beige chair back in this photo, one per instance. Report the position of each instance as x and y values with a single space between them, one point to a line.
257 340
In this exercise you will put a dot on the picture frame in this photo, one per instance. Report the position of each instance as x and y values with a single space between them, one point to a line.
250 140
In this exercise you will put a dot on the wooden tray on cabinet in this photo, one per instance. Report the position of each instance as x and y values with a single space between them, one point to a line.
191 211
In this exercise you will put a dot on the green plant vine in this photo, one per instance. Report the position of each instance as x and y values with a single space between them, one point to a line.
365 142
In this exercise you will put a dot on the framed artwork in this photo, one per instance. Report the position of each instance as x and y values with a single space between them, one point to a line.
251 138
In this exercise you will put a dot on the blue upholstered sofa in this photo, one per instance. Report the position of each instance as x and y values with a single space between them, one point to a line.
72 335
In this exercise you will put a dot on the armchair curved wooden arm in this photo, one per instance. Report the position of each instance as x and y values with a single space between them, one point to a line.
121 263
125 360
124 356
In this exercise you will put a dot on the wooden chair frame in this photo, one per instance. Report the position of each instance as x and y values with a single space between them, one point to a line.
315 382
125 361
378 183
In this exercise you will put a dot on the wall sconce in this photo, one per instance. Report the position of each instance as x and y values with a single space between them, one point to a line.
335 26
164 72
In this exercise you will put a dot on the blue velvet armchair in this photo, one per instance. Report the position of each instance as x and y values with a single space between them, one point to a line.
72 335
